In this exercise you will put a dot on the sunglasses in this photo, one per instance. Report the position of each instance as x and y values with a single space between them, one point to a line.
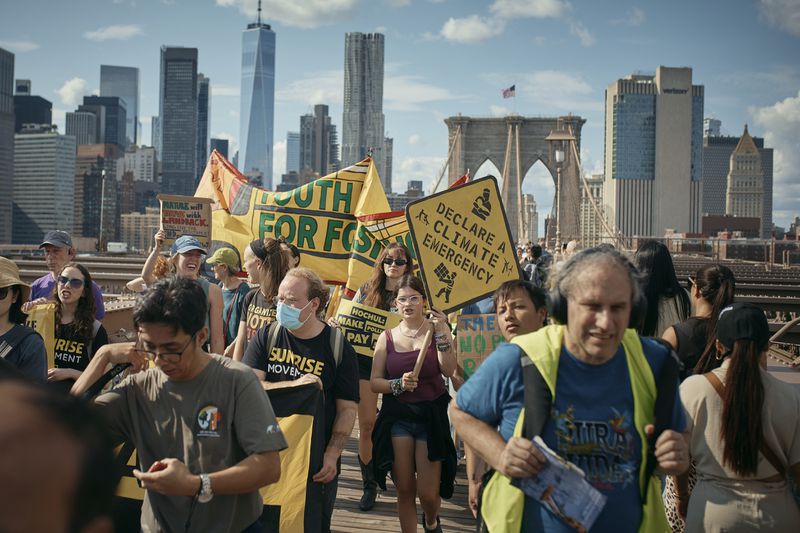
399 262
75 283
4 292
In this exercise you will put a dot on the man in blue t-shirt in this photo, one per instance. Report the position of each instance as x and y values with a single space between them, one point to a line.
591 420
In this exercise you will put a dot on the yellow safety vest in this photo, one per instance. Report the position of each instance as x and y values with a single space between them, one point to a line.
502 504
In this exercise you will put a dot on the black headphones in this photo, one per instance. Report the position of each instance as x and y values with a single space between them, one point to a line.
557 300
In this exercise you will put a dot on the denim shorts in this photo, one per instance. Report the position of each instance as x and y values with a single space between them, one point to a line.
406 428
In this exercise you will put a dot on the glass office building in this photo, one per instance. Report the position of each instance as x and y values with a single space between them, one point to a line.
124 83
178 120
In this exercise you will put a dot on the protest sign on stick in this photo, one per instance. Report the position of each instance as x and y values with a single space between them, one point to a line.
463 243
362 325
186 215
476 338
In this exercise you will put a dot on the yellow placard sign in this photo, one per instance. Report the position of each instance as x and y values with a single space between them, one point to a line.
362 325
186 215
463 243
42 318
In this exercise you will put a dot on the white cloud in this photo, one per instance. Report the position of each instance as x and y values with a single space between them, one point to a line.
322 87
781 124
414 140
472 29
72 91
233 143
499 111
425 168
224 90
298 13
554 89
781 14
633 17
530 8
19 47
119 32
60 119
278 161
580 31
408 93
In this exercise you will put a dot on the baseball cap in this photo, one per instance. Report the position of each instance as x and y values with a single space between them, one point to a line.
225 256
187 243
57 238
741 321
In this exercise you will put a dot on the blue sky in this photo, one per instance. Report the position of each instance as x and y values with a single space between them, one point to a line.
442 57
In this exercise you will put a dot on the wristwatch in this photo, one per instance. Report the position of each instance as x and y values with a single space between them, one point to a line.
205 494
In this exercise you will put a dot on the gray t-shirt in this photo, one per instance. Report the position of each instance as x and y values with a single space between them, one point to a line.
210 423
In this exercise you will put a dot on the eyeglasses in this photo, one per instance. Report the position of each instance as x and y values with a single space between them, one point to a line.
410 300
75 283
288 301
167 357
399 262
4 292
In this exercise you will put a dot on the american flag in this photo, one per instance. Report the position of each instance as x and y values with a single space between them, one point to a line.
510 92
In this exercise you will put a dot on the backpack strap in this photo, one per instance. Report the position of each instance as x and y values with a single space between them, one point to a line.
272 336
765 450
337 344
14 338
538 398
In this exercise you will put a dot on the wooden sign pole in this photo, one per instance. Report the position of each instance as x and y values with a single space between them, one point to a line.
421 357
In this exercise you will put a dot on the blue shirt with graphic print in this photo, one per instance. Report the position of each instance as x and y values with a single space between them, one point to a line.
591 424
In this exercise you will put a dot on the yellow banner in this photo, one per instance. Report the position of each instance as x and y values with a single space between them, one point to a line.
42 318
463 243
321 218
362 325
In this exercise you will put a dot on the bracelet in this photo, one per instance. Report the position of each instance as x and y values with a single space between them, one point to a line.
396 385
440 336
443 346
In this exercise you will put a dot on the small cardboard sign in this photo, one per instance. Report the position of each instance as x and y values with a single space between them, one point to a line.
463 243
477 336
186 215
362 325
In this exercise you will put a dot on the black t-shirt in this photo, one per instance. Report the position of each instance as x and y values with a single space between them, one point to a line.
256 313
292 357
70 349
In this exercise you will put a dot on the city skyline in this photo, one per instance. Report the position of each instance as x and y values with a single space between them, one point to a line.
442 58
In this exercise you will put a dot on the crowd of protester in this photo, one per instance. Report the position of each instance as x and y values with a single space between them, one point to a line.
608 360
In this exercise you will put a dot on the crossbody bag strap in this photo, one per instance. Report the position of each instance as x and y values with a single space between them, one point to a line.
766 451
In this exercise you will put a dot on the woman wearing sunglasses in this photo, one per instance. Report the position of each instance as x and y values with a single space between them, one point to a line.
412 433
393 263
78 335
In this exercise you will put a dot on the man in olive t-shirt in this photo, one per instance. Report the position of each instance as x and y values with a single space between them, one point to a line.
202 426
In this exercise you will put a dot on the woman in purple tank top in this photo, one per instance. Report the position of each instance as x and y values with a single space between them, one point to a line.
412 436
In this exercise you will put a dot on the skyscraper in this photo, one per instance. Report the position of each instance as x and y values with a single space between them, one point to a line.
220 145
292 151
257 101
44 160
178 120
745 192
115 122
155 134
318 142
203 122
30 109
6 143
83 126
363 121
124 83
653 153
717 152
388 157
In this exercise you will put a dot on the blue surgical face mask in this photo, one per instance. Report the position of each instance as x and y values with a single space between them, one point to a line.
289 317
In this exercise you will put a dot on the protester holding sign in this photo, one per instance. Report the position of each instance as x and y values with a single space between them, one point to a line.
185 262
392 264
266 267
412 433
225 262
299 349
204 431
78 334
20 346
